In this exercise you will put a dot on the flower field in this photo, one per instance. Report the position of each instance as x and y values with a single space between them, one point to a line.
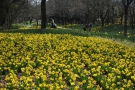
64 62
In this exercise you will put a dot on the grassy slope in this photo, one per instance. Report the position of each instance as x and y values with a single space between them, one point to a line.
81 47
112 32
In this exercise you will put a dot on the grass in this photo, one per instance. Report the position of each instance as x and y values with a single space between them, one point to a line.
114 32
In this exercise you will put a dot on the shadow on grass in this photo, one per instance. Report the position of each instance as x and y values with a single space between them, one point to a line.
110 32
59 30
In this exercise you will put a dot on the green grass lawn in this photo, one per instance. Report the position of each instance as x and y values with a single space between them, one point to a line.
114 32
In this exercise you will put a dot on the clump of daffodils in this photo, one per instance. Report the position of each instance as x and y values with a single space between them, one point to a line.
48 61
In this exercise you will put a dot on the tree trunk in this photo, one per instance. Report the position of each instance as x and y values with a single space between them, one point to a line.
31 21
43 14
132 19
2 22
125 21
112 15
102 21
107 18
121 19
126 4
133 22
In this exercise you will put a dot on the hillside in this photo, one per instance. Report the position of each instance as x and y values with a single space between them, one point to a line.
64 61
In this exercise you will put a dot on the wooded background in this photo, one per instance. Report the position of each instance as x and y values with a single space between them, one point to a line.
68 11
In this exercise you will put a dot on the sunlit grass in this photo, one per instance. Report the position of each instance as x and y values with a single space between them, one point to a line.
108 31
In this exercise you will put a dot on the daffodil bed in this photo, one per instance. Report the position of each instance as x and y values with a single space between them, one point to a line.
65 62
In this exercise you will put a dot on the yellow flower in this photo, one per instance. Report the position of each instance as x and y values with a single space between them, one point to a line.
33 84
113 84
72 83
88 87
118 77
122 88
118 83
133 77
80 83
107 86
51 86
94 75
76 88
40 85
102 81
125 80
57 87
27 58
44 77
109 80
84 81
22 69
62 86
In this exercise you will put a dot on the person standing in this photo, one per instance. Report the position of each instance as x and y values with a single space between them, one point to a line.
89 26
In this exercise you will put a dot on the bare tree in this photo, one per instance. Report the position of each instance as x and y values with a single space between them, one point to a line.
36 11
132 16
120 11
87 10
62 10
99 8
126 4
8 10
65 11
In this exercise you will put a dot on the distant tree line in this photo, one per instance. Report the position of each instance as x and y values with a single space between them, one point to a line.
68 11
11 10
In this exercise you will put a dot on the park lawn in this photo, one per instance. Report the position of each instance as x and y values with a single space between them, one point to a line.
108 31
